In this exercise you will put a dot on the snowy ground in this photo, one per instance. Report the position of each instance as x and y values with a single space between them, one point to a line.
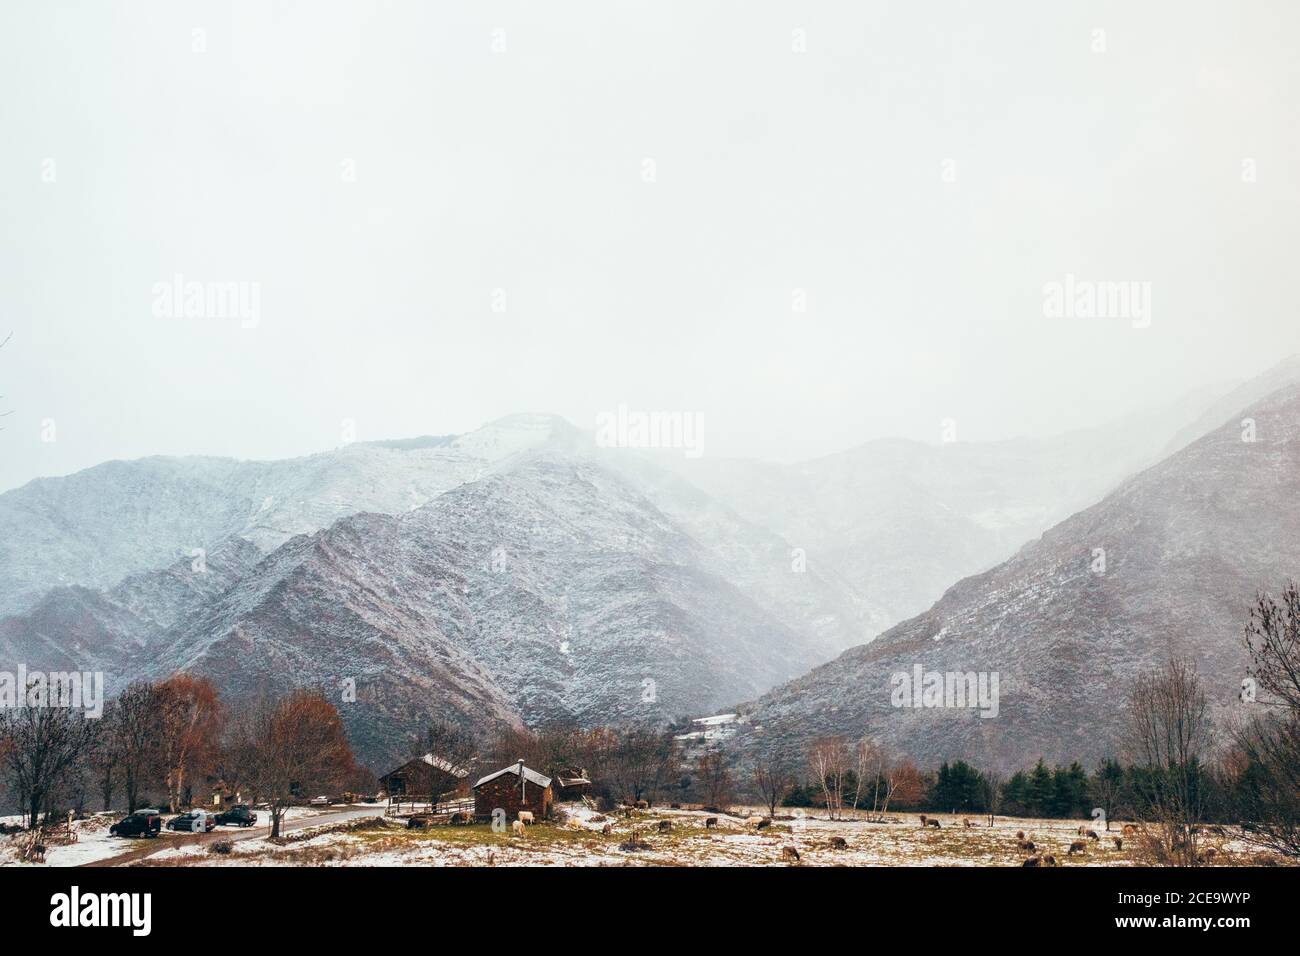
94 843
579 842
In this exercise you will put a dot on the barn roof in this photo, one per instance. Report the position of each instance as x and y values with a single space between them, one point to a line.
446 766
531 775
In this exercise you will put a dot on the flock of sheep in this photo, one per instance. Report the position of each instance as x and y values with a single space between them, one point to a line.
1036 855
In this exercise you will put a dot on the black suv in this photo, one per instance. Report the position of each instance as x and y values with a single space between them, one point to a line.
145 823
237 816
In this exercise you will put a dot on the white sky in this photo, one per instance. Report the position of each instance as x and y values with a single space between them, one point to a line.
522 170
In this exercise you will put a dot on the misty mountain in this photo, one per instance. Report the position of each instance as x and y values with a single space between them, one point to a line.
97 526
552 591
565 583
899 521
1186 544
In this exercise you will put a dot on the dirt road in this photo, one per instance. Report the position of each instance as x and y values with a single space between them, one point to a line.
146 848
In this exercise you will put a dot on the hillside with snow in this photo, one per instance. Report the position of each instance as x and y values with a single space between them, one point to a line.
1168 563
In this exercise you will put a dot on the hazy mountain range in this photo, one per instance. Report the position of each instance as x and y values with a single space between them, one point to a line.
1167 564
519 574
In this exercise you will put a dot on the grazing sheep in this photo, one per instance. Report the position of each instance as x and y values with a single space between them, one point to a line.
789 853
643 804
839 843
1078 846
710 822
461 818
1027 845
1033 861
1050 860
607 829
923 821
665 826
754 821
932 823
1092 835
517 827
1119 842
763 824
526 816
966 823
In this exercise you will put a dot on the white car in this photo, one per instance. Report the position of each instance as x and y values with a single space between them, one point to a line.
196 821
320 801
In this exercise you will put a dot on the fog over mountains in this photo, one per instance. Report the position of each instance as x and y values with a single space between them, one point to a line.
519 574
1185 544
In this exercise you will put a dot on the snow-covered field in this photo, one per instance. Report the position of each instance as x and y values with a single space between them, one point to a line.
94 842
578 841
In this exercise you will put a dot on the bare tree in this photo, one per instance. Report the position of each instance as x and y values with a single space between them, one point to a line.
715 779
866 761
1168 733
1268 785
991 784
773 777
135 728
905 784
190 717
42 747
828 759
644 762
299 748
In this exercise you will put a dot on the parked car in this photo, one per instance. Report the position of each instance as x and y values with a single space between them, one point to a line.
144 823
237 816
196 821
321 801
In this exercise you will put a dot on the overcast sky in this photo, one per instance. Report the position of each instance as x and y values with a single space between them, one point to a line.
811 223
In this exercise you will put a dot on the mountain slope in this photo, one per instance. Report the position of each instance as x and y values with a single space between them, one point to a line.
80 628
97 526
551 591
1187 543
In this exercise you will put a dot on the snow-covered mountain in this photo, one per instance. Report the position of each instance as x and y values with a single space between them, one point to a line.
95 527
561 582
899 520
519 574
1167 563
553 591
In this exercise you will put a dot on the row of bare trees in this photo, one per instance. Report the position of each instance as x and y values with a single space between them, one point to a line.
849 776
169 737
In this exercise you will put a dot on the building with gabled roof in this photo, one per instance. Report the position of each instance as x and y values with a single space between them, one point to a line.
512 789
426 776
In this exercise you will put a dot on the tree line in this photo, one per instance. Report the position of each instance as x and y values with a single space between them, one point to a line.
162 742
163 739
1171 773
